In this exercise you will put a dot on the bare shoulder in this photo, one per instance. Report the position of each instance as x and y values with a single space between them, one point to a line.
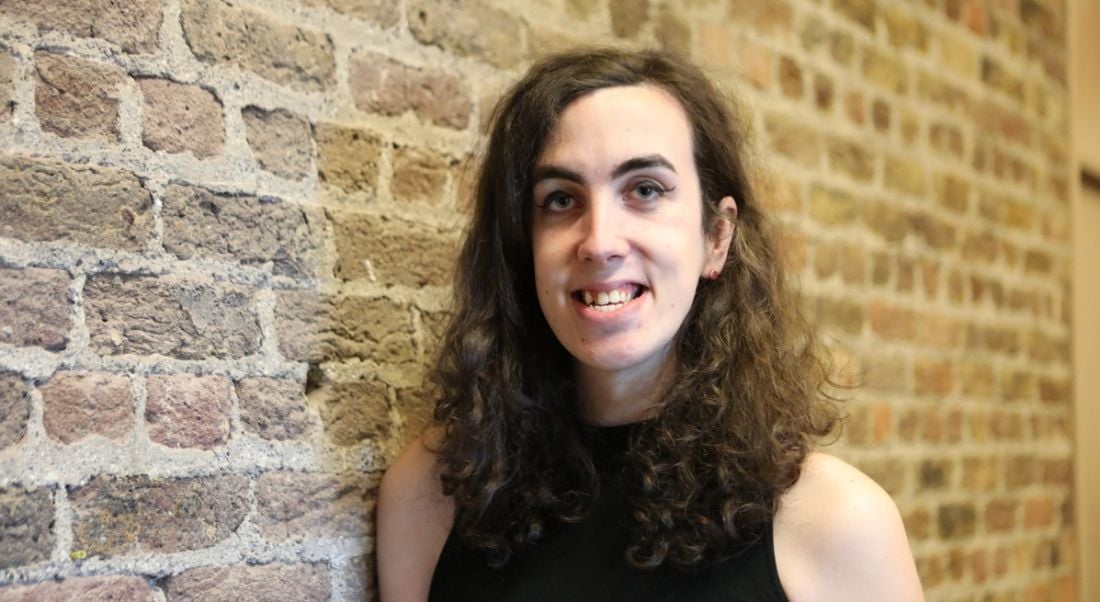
838 535
414 519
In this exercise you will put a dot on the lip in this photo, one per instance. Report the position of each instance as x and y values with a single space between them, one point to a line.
606 287
627 312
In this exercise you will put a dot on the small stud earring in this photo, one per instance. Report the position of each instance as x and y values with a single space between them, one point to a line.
713 275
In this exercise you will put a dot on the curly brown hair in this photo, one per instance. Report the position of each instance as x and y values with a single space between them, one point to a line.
745 404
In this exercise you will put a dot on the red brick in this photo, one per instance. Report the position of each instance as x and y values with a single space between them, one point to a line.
132 25
129 588
34 308
178 118
76 98
26 526
383 85
119 516
231 36
184 410
123 218
309 582
80 404
275 409
170 316
296 506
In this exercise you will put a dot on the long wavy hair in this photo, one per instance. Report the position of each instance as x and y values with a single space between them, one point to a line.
745 403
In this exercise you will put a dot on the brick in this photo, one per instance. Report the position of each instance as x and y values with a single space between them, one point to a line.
933 475
887 220
843 259
296 506
77 98
757 63
956 520
1056 391
122 219
814 33
980 246
904 29
133 25
934 232
416 405
976 379
833 207
886 373
185 410
309 582
1019 386
420 175
861 12
393 251
842 47
885 71
628 17
717 46
851 159
353 412
946 138
1039 513
201 224
917 523
880 115
673 33
1000 515
347 158
129 588
380 84
179 118
824 91
15 409
230 36
170 316
8 68
1021 471
890 322
275 409
840 315
386 13
34 308
794 139
119 516
790 78
281 141
903 175
316 327
890 474
998 77
958 54
933 377
26 526
81 404
953 193
980 474
767 18
469 28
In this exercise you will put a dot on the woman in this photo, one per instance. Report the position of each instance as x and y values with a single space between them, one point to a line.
628 397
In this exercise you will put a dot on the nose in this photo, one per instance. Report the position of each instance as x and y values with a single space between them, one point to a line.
603 234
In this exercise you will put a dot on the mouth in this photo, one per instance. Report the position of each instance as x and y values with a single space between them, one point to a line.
610 300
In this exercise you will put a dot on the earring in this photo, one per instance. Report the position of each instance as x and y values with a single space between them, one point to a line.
713 275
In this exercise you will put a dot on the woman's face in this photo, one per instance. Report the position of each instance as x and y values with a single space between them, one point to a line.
617 227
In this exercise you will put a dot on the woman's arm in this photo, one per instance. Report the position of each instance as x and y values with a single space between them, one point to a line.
414 519
839 536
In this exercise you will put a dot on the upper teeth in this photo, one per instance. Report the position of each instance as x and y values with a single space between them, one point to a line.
608 297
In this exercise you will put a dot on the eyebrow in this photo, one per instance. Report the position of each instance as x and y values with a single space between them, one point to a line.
550 172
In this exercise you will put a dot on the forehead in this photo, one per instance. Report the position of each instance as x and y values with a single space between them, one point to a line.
613 124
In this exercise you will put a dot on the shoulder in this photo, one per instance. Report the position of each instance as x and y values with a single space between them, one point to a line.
838 535
414 519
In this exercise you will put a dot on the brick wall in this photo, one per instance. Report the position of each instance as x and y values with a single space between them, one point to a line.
225 236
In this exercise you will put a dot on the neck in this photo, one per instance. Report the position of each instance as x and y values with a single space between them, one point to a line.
614 397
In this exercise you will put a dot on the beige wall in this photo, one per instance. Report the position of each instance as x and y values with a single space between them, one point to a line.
1086 235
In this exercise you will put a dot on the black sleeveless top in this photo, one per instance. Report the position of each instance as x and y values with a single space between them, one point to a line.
584 561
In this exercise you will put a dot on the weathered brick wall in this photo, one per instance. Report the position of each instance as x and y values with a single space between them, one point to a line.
225 236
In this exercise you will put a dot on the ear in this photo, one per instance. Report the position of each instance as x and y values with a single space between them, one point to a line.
719 238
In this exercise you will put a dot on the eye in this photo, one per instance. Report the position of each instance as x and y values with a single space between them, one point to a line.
557 202
648 190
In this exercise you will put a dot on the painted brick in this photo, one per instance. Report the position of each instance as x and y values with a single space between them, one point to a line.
122 219
34 308
296 506
309 582
80 404
77 98
184 410
469 28
383 85
347 158
26 526
280 140
317 327
131 25
178 118
223 34
117 516
393 251
202 224
129 588
169 316
275 409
